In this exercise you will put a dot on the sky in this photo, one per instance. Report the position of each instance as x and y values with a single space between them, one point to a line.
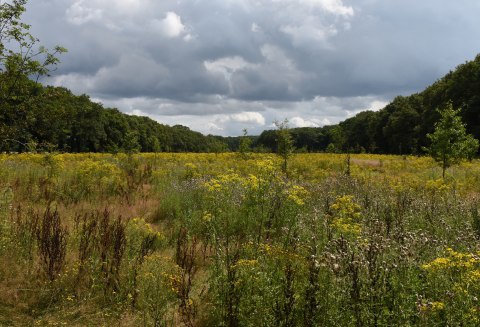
219 66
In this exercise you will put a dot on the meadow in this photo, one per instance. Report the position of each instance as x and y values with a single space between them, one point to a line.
164 239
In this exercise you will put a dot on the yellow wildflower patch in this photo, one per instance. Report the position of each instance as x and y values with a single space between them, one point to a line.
346 216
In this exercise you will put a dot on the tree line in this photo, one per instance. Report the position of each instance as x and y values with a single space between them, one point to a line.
402 126
34 116
61 121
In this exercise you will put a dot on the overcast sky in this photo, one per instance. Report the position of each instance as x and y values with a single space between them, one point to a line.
219 66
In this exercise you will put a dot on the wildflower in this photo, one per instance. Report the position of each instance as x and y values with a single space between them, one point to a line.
207 217
297 194
437 264
437 185
346 216
246 263
432 306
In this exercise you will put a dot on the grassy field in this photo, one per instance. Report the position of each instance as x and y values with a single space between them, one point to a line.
232 240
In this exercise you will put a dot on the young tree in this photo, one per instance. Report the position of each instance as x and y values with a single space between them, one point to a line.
450 142
22 63
285 146
245 144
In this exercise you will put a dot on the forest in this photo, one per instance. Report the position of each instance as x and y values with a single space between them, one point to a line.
401 127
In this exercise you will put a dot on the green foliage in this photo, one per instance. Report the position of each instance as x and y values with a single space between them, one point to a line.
229 242
6 237
19 56
284 139
402 126
245 145
76 124
449 142
22 62
159 281
331 148
131 144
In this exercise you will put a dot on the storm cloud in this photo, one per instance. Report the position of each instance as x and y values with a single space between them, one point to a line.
218 66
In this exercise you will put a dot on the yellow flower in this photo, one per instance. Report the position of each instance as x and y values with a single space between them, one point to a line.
437 185
346 216
432 306
453 259
347 227
297 194
437 306
437 264
207 216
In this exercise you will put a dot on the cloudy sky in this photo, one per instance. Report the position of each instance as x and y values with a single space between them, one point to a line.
219 66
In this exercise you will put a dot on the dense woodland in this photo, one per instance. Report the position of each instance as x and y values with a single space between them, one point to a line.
42 118
401 127
53 117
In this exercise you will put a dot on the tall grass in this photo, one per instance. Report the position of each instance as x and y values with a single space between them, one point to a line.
222 240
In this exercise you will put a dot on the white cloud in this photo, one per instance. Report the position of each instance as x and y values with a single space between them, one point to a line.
300 122
226 117
171 26
78 13
214 128
142 73
136 112
75 81
304 35
227 65
249 117
377 105
333 6
127 6
277 56
188 37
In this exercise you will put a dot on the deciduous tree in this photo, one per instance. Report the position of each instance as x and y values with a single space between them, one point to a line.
284 142
22 63
450 142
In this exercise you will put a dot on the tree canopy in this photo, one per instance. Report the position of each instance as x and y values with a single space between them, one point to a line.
402 126
449 142
22 63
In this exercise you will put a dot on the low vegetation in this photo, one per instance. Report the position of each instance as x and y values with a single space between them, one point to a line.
230 240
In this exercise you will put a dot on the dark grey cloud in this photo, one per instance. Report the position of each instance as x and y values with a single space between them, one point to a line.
217 64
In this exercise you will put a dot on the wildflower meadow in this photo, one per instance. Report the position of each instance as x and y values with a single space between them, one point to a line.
163 239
